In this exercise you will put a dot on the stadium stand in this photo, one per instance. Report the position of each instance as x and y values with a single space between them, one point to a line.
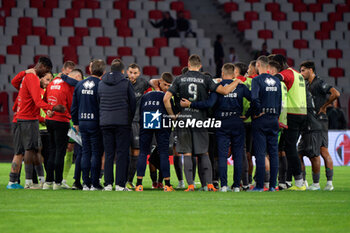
79 30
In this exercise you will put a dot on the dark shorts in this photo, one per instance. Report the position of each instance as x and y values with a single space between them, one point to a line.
310 144
193 141
324 133
282 141
17 144
248 138
135 135
29 134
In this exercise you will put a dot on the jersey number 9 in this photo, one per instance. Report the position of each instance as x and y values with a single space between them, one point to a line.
192 89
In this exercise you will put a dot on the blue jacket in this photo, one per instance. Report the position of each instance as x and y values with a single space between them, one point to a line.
266 95
85 106
117 100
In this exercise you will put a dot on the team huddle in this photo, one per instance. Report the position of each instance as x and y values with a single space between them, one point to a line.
258 110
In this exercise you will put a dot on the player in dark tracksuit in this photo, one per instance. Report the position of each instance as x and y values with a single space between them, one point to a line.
228 109
152 113
85 114
266 108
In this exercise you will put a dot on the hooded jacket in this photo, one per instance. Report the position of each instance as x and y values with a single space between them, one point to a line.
117 100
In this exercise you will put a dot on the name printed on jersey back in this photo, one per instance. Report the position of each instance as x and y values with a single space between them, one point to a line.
192 80
87 116
153 103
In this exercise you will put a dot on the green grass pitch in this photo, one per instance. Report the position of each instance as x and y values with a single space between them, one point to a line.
156 211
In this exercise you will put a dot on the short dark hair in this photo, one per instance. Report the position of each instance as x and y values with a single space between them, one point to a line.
276 65
46 62
98 67
242 68
218 37
228 68
308 65
78 71
68 64
184 70
271 56
167 77
282 61
194 60
134 66
263 60
117 65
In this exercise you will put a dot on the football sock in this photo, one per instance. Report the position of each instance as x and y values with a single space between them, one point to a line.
267 177
29 171
139 182
316 178
101 173
304 175
200 173
299 182
194 164
13 177
68 160
188 169
207 170
245 180
132 168
178 167
167 182
153 176
250 178
39 170
282 169
329 174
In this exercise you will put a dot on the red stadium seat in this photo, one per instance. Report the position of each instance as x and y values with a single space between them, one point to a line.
124 32
92 4
45 12
290 62
335 53
160 42
187 14
230 6
2 59
121 23
51 4
336 72
19 40
78 4
315 7
251 15
121 5
151 52
67 22
294 1
244 25
25 22
36 3
75 41
25 31
47 40
2 21
124 51
128 14
279 51
71 57
272 7
155 14
150 70
324 1
81 31
176 70
39 31
301 44
300 7
177 6
252 1
342 8
279 16
103 41
322 35
327 26
13 49
72 13
265 34
299 25
9 4
69 50
111 58
93 22
335 17
181 52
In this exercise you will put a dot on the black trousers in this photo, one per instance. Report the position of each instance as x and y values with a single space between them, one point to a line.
295 124
45 149
58 145
116 141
